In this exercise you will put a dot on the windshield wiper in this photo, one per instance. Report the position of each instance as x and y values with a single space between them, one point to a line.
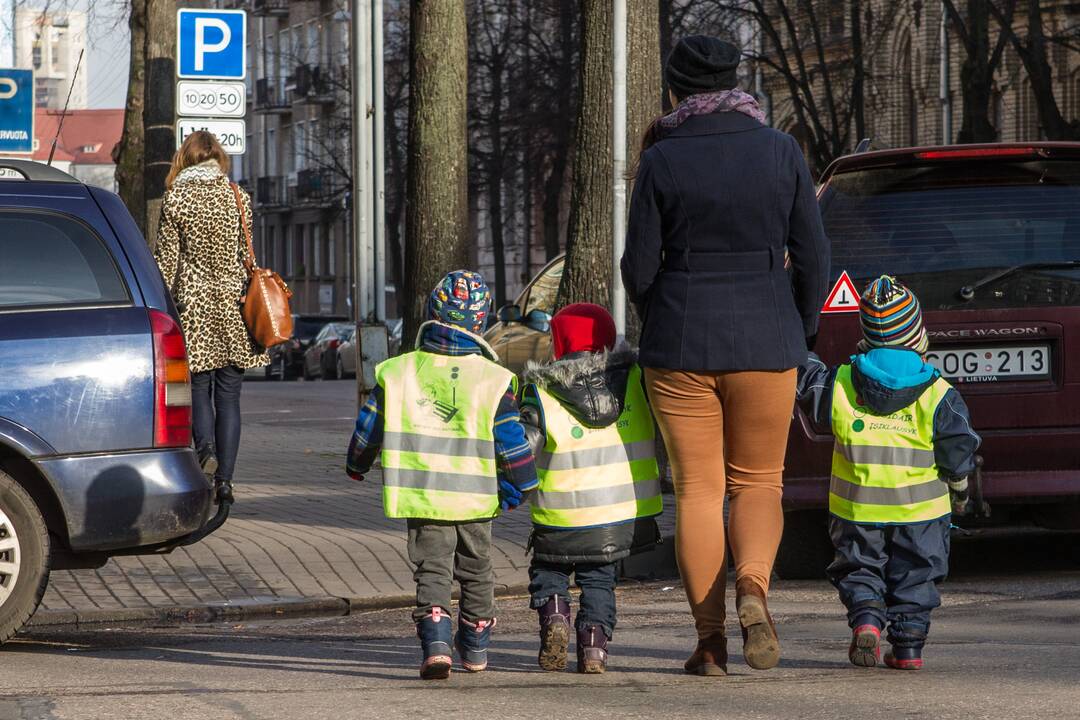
968 291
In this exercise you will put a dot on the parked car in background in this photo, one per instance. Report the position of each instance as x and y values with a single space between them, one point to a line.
988 238
95 394
521 332
320 358
287 359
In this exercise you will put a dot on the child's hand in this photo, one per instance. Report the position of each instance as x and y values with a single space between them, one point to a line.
509 496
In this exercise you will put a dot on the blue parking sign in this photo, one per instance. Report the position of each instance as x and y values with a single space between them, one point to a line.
211 44
16 111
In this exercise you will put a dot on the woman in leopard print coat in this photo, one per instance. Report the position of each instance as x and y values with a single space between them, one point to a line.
200 251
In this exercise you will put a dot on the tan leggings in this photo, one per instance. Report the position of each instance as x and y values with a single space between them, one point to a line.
725 433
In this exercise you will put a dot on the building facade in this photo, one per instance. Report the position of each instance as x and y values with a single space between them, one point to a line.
296 167
903 52
50 42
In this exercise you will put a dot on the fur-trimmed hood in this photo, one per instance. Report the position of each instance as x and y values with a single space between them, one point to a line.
591 386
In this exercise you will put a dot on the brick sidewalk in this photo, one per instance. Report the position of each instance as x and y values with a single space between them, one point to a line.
300 528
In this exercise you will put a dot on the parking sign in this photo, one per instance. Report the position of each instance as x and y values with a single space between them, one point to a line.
16 111
211 44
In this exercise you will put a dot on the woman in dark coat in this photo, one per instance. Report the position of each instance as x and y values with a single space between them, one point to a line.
720 200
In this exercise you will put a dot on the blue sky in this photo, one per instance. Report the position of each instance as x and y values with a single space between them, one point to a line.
106 62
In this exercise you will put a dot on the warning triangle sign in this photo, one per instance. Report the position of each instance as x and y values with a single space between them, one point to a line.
844 298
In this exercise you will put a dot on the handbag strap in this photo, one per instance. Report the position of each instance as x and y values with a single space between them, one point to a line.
249 261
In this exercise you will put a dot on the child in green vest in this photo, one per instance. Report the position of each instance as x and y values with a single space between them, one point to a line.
443 420
588 421
903 441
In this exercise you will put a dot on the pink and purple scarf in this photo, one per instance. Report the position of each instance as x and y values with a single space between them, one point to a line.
733 100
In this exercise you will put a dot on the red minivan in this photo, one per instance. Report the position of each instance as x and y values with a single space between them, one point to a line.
988 237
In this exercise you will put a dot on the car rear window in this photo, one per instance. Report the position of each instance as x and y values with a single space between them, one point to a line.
940 227
52 260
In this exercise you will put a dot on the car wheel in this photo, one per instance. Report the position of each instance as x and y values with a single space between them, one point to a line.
331 373
24 557
283 368
805 550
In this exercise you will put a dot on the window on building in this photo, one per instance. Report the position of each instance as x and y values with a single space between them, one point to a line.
290 253
36 55
312 45
315 142
299 261
331 251
297 45
271 152
317 249
299 146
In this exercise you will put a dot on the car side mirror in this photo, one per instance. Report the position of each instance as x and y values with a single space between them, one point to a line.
538 320
509 313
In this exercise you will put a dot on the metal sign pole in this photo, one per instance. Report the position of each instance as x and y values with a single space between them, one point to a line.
360 57
378 154
618 139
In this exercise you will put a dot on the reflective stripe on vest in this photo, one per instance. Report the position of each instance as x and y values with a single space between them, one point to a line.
597 476
438 453
883 468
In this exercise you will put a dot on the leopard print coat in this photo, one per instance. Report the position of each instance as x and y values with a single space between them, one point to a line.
200 234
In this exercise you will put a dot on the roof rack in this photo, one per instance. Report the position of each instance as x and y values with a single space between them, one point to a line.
35 171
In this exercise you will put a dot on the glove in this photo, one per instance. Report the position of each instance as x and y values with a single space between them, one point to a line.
354 474
958 495
509 496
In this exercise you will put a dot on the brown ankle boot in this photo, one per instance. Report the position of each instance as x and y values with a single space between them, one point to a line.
761 647
710 656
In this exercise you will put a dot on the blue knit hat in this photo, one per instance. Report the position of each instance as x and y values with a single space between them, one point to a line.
461 299
891 317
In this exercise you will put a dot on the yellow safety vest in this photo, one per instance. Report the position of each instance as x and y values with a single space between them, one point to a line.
438 453
883 468
597 476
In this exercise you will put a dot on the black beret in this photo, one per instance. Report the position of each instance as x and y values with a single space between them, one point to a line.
700 63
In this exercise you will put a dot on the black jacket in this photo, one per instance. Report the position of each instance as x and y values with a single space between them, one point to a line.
592 388
955 442
716 203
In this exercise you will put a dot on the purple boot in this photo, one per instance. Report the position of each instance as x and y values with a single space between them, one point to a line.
554 634
592 652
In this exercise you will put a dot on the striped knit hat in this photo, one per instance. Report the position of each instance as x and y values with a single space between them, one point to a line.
891 317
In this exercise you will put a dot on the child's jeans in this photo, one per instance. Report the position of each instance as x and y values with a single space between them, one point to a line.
444 551
595 580
891 573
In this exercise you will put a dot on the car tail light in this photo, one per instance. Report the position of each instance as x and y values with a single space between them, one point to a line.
334 344
962 154
172 383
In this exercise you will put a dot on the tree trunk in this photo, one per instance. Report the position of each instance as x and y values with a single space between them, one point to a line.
858 75
1033 54
563 130
666 42
643 92
437 218
587 274
976 77
129 160
159 111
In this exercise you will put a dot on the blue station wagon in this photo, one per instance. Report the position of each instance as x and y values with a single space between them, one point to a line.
95 395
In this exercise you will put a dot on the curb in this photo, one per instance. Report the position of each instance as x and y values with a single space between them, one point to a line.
235 612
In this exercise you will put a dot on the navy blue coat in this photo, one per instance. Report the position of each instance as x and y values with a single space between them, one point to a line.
715 204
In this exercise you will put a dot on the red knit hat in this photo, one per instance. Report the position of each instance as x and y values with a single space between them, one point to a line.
582 327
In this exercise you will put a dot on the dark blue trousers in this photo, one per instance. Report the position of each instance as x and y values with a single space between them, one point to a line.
597 584
890 573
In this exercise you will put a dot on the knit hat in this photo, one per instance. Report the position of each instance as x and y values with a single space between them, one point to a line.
700 64
582 327
461 299
891 317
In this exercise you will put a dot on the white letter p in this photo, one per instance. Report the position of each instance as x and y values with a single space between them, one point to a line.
202 48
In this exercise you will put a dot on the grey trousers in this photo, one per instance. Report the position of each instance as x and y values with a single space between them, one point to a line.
444 551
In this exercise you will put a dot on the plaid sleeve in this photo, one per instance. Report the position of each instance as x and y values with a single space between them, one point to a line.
515 458
367 438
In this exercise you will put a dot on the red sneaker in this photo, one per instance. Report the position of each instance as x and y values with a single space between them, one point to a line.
865 649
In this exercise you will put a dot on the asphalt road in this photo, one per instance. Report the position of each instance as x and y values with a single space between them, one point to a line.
1005 645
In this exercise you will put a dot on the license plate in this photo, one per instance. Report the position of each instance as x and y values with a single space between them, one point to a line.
991 364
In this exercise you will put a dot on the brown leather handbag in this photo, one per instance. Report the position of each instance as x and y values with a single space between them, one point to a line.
266 304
